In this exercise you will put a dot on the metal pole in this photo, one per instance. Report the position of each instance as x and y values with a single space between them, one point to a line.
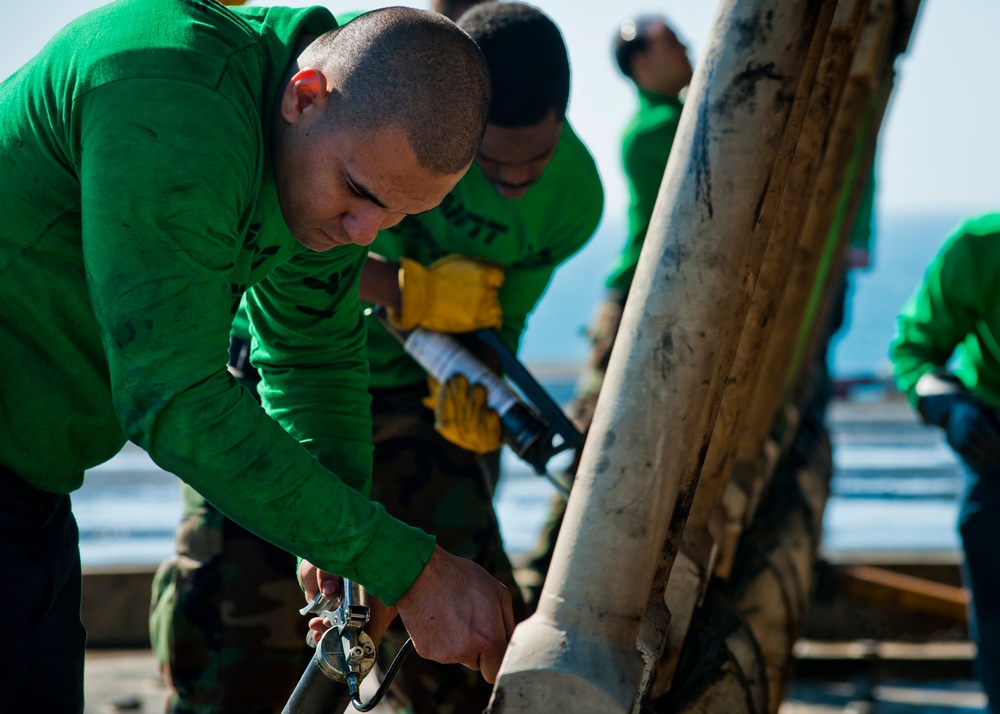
674 351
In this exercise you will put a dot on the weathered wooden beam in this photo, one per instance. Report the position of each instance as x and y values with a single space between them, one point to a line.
705 524
753 461
674 351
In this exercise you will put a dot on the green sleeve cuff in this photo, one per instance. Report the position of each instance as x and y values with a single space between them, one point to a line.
393 558
393 545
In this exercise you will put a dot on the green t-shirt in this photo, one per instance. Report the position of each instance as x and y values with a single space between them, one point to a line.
645 149
528 236
137 206
956 311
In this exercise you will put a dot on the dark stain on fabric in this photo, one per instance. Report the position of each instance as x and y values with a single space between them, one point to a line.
306 310
124 333
144 403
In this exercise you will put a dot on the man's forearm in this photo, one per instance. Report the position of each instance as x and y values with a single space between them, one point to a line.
380 283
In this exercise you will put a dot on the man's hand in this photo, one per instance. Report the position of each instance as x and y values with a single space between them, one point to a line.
462 415
972 428
315 580
453 294
456 612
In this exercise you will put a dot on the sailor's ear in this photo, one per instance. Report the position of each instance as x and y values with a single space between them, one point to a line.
306 91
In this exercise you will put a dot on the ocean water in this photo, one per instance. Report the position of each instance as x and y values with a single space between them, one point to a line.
897 493
894 489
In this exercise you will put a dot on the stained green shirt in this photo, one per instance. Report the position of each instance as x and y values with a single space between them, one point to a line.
645 148
529 236
956 311
137 206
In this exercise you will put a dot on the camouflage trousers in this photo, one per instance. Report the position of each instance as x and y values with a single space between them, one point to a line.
426 481
224 619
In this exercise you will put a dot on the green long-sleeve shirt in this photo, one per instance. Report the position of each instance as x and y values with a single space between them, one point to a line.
956 311
529 236
137 205
645 149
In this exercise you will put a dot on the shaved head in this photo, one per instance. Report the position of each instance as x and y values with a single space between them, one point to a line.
408 68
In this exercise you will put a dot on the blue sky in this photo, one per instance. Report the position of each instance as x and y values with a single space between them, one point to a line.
939 149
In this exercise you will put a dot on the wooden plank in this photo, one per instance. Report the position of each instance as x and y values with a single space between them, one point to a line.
904 592
871 649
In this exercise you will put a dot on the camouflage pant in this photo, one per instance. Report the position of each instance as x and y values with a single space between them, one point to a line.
224 619
447 491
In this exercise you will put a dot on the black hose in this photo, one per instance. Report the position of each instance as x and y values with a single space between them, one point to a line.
318 693
390 673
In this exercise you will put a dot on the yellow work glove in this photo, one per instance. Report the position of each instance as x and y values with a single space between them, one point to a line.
462 416
454 294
